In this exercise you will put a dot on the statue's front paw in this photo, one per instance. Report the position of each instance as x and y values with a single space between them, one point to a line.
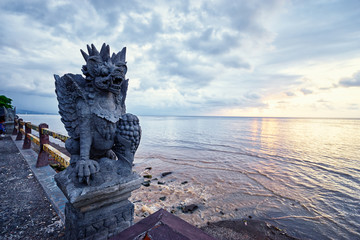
86 168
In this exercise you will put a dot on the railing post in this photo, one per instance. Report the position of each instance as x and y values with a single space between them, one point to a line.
14 130
43 158
27 142
19 134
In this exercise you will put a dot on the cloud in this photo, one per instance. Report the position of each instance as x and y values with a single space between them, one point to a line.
252 96
212 42
309 34
142 29
354 81
306 91
234 62
183 56
353 106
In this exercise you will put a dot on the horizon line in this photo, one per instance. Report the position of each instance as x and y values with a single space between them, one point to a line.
218 116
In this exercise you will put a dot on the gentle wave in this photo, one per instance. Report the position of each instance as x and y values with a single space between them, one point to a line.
301 174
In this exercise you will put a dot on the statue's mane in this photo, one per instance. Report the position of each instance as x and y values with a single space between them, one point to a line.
103 57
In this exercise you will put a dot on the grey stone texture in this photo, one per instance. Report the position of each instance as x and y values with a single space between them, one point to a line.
103 140
94 113
101 211
100 223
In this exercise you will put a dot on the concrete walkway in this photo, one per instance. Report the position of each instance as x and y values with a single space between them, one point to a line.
45 176
26 211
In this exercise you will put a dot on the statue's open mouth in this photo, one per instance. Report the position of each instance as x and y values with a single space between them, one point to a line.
115 86
117 81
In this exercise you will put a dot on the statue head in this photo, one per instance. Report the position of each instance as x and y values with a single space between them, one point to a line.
106 73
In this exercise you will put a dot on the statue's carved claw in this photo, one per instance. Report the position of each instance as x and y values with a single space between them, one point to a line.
110 154
86 168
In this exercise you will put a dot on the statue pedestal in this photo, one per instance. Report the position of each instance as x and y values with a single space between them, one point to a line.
102 209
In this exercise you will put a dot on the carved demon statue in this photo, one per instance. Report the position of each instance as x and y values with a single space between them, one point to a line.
94 113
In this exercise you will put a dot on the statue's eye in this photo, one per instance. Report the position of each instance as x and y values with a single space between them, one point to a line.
123 69
104 71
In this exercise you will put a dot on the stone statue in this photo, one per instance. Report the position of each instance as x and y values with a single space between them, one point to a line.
94 114
103 140
9 114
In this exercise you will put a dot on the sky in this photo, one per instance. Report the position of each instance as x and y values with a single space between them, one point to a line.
261 58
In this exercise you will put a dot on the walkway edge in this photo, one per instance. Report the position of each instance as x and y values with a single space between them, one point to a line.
45 176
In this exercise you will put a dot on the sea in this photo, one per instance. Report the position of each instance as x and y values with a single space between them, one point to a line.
299 174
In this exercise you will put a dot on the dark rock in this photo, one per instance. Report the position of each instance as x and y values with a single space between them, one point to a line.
184 182
148 168
146 183
250 217
162 198
147 176
189 208
164 174
161 183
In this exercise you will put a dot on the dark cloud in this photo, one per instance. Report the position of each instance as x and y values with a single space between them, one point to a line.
189 56
242 16
354 81
113 8
234 62
173 62
209 42
144 31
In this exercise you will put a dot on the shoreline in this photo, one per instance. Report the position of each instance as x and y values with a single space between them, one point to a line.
184 199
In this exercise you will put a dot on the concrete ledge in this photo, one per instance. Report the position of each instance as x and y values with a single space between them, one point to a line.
45 176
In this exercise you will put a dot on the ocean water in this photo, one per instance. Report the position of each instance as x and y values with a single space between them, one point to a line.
302 175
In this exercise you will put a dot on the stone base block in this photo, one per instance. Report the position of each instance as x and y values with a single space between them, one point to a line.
100 223
101 209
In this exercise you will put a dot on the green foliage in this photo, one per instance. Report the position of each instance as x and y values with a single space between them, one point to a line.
5 102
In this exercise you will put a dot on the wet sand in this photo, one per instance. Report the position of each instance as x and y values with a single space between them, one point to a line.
193 203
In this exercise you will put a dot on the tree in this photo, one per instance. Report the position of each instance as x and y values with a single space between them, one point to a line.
5 102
